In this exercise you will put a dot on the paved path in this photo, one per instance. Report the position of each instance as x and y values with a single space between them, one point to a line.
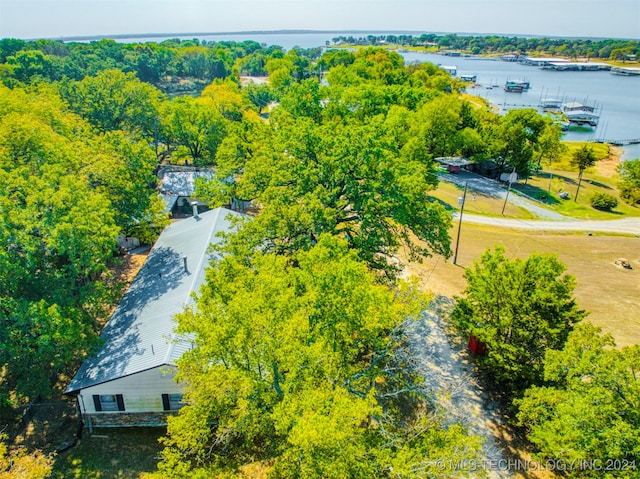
448 374
621 226
550 220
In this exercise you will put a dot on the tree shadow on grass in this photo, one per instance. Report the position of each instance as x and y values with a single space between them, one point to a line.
446 205
598 184
538 194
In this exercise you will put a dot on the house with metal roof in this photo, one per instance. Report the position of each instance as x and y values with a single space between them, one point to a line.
131 380
178 184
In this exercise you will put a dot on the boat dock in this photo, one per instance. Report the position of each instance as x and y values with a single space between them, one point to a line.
628 141
580 115
576 66
516 86
626 71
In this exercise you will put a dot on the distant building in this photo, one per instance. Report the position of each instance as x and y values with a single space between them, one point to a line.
453 164
131 379
177 186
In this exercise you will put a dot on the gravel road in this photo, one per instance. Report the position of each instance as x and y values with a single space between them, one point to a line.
447 372
549 220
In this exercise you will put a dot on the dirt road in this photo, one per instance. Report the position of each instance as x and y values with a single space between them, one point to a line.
447 372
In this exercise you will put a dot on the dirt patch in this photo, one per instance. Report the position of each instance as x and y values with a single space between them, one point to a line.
608 293
113 453
50 427
608 167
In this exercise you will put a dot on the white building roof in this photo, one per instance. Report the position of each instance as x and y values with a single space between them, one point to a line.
180 181
140 333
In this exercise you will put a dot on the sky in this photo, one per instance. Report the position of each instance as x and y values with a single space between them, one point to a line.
559 18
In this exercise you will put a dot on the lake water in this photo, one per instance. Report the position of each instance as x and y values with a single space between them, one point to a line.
617 98
285 40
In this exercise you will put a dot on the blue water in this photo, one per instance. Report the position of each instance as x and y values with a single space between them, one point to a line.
617 98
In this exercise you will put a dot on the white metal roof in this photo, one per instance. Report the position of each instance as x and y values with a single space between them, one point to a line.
140 334
181 181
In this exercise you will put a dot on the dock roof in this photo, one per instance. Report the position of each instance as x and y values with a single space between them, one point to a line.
140 333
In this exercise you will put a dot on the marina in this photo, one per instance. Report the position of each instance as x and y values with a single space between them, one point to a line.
626 71
614 96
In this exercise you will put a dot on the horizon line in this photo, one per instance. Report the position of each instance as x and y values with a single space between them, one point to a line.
170 35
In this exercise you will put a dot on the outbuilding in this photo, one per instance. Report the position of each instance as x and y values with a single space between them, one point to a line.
453 164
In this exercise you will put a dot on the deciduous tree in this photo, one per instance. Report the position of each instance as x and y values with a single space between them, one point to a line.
297 365
519 309
347 180
582 159
629 171
588 414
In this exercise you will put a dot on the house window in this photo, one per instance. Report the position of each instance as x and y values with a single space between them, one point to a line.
108 402
172 402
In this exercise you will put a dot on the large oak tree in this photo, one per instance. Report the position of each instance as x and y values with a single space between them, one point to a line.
299 365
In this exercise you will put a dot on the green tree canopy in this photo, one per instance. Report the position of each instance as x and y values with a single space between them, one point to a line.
629 171
298 364
519 309
113 100
347 180
589 413
57 233
195 127
66 195
582 158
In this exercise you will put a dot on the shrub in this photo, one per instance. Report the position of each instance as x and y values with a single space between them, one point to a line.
604 201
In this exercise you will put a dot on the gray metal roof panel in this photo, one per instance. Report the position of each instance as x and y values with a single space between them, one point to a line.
140 333
182 183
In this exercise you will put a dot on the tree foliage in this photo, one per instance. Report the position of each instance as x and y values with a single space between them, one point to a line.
519 309
589 411
20 464
297 364
195 128
630 181
66 195
346 180
582 159
113 100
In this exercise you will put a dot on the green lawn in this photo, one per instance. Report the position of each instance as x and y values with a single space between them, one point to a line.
476 203
562 176
546 186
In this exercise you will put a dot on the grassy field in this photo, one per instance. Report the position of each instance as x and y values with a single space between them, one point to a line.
608 292
546 186
602 178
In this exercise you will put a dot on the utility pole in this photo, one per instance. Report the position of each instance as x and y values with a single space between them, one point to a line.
464 197
512 178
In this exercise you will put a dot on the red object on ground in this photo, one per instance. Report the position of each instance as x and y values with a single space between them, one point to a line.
476 346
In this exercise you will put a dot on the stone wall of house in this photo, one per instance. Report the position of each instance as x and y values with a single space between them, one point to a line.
127 419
